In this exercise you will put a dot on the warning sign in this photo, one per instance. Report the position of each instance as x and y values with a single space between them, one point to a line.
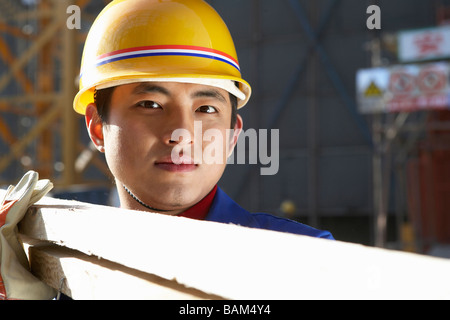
404 88
401 83
371 87
431 80
373 91
424 44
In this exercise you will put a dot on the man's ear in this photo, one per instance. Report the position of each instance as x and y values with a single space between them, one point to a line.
95 127
236 132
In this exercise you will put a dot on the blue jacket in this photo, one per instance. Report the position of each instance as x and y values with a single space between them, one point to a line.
224 209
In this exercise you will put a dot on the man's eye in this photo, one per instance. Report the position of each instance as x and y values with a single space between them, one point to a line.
148 104
207 109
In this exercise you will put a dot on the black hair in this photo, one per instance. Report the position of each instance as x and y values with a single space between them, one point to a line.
102 99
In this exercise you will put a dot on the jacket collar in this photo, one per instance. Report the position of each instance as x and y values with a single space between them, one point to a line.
224 209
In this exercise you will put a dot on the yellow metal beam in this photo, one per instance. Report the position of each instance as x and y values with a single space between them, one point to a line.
70 132
18 147
21 78
18 64
42 98
6 134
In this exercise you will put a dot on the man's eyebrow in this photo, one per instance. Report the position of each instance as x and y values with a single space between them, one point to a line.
146 87
209 93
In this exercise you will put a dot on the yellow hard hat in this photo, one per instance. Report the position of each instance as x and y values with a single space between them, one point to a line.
159 40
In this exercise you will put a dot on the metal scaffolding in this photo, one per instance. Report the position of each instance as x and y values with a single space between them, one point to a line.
39 56
404 157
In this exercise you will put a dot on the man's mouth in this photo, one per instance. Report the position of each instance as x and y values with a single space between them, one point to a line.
181 164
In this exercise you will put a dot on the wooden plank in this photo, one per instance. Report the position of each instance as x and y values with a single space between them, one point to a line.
88 277
235 262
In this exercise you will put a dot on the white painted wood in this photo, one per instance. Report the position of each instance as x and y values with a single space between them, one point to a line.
236 262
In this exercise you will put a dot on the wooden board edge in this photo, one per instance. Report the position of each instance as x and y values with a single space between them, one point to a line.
85 277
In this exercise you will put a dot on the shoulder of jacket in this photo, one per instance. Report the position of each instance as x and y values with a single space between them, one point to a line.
225 210
272 222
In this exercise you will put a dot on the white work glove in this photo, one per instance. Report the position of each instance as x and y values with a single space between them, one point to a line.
16 280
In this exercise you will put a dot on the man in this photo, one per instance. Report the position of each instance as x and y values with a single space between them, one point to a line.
156 76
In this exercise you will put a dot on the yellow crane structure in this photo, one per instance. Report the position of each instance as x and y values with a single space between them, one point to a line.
39 65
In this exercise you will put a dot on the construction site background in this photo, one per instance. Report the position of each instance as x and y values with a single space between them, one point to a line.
377 177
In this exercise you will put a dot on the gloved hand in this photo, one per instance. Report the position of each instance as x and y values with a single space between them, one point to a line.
16 280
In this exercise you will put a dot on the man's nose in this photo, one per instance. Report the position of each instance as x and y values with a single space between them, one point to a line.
179 128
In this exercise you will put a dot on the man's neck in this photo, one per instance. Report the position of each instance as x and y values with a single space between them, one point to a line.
198 211
130 201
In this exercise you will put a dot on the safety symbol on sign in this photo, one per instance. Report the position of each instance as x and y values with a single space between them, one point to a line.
431 80
401 83
373 91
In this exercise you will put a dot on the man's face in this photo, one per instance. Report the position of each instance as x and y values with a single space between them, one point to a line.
138 140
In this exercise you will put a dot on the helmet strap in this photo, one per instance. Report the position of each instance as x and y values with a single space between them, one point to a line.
142 203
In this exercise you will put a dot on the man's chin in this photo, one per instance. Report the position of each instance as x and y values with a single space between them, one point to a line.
175 198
